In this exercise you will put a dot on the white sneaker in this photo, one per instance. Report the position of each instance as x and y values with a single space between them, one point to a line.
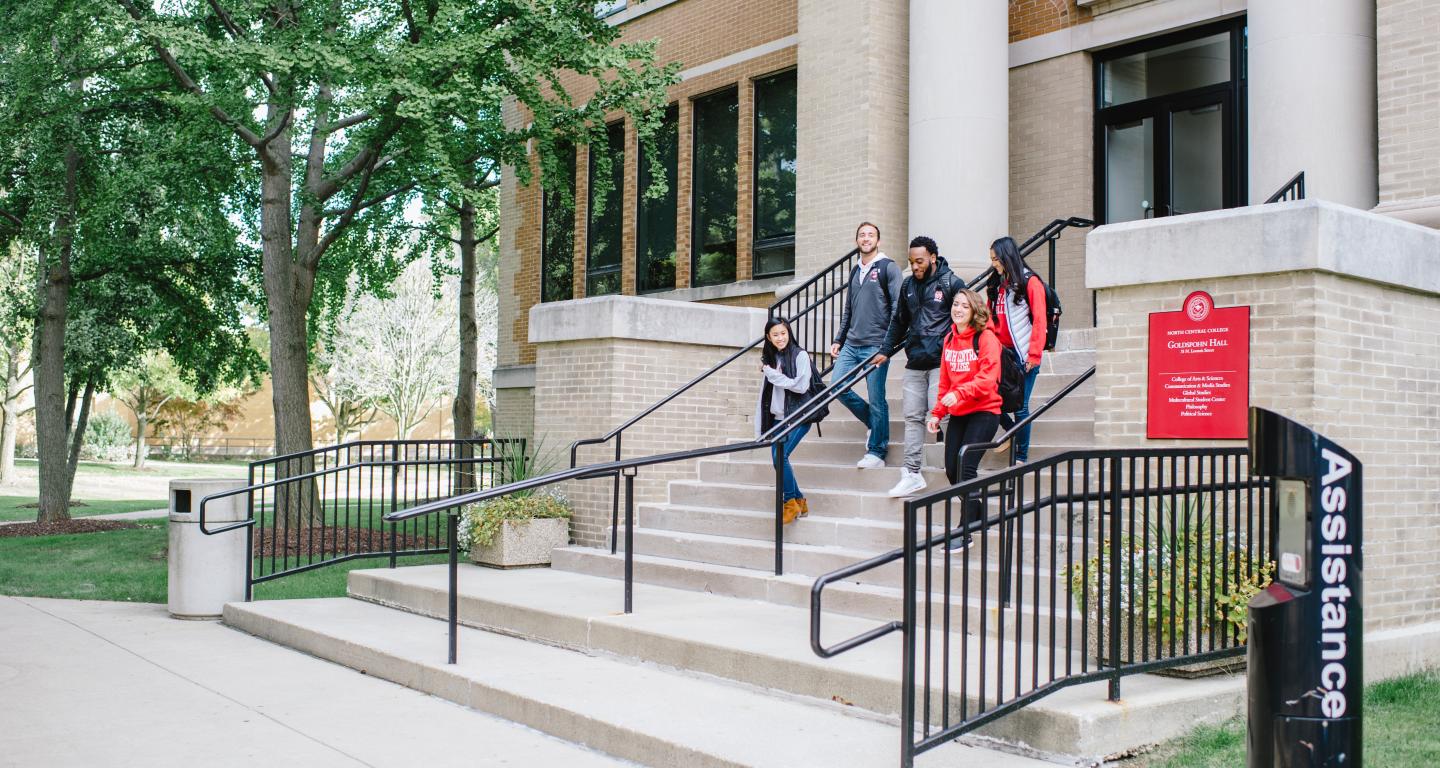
910 484
870 461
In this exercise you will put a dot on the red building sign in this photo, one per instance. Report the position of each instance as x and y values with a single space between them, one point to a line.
1199 379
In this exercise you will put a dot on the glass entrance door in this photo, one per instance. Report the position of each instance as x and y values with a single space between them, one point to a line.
1169 128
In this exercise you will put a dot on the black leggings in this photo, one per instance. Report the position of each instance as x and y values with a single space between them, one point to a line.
978 427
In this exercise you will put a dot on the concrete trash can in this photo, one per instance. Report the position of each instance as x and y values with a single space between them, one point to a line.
206 572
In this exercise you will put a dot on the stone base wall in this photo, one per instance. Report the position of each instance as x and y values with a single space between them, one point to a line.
1348 345
602 361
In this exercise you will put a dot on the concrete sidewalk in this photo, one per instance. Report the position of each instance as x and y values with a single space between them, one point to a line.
118 684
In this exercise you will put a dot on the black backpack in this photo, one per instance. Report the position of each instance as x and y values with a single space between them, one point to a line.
817 386
1012 379
1053 310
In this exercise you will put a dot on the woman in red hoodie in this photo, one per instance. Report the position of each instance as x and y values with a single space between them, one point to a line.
969 391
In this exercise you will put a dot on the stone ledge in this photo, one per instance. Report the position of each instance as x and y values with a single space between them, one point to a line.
645 319
1265 239
514 377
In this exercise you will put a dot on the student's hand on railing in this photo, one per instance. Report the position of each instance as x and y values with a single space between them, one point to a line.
879 358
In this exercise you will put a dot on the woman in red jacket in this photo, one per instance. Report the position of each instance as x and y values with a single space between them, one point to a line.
969 391
1017 302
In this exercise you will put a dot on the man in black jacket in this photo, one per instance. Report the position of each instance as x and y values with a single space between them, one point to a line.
922 318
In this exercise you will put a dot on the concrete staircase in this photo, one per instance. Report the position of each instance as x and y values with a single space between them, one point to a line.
714 667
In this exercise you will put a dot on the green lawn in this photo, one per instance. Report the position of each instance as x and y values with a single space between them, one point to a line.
154 468
130 565
13 507
1400 717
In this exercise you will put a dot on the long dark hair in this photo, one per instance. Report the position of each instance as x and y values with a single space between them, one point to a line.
769 355
1008 254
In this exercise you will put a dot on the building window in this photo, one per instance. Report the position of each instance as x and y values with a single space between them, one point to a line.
655 217
602 262
774 246
715 160
1170 125
557 248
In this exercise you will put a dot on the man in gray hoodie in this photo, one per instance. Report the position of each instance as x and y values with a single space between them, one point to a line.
869 305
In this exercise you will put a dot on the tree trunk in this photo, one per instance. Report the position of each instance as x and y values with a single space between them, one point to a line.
288 289
139 440
9 425
52 431
77 434
10 416
463 409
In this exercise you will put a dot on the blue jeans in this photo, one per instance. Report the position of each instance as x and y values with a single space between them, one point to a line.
1022 438
780 452
876 412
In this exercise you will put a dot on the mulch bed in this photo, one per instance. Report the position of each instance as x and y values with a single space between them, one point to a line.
330 540
79 525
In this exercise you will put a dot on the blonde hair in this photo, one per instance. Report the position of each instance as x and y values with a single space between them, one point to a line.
979 312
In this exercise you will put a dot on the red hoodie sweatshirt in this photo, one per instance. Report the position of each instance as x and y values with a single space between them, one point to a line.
975 382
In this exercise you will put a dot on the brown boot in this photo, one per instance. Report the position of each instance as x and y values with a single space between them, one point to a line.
790 511
804 506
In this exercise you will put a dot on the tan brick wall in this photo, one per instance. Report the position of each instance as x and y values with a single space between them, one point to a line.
621 376
1354 360
1032 18
1408 91
515 412
853 128
1052 168
690 33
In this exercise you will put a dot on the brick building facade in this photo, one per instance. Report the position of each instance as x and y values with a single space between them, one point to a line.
858 65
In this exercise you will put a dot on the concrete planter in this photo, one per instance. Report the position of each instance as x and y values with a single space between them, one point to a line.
523 543
1097 646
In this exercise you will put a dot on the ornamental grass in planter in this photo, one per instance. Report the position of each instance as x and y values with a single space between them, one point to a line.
519 529
1185 585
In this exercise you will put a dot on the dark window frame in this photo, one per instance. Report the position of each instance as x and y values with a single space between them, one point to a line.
545 213
780 241
618 202
696 187
1231 95
672 116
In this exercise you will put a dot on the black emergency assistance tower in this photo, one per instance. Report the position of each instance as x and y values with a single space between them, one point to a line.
1305 644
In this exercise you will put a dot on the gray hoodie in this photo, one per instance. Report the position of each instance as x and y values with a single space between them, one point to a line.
868 309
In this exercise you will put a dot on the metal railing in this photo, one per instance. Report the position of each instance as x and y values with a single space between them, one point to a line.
810 306
1121 561
327 505
1294 189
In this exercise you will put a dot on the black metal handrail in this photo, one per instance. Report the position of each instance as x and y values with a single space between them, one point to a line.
321 507
817 589
1294 189
1116 529
830 285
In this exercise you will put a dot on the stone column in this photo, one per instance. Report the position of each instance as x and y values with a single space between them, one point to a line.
959 128
850 127
1312 98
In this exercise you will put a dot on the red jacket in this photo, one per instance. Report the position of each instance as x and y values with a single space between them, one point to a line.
975 382
1035 300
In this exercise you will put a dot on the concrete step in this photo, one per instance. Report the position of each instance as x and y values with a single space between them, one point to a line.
647 714
755 471
848 598
842 503
823 530
757 644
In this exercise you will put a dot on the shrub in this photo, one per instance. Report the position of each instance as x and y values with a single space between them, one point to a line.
480 523
108 438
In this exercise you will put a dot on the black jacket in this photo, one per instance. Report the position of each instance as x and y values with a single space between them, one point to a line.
922 316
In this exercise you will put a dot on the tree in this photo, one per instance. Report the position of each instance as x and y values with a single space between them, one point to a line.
343 110
399 352
121 196
187 420
350 410
146 389
16 287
